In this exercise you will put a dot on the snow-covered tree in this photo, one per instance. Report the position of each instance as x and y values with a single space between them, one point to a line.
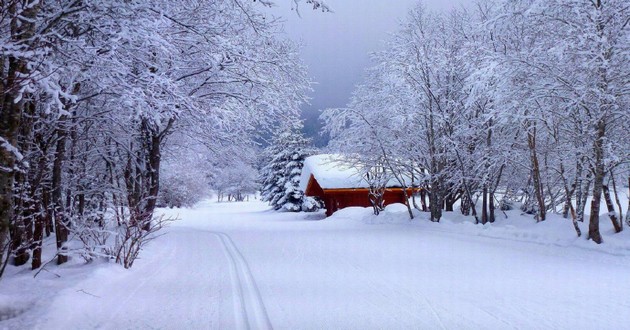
528 97
316 4
186 175
94 93
280 175
235 182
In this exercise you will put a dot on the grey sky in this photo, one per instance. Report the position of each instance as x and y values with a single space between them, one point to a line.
336 46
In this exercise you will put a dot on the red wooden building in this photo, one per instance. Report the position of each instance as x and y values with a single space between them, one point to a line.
340 185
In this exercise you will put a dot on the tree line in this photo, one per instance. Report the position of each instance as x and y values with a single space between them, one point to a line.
97 96
498 102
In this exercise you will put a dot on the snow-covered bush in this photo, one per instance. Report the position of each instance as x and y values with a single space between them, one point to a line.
132 237
311 204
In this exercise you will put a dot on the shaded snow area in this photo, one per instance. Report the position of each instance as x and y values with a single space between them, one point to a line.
239 266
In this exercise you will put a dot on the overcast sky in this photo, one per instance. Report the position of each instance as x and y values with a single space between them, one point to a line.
336 46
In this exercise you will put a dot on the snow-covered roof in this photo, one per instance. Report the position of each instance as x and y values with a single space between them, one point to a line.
333 172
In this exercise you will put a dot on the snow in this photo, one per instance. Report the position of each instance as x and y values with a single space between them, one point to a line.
240 265
334 172
331 172
6 145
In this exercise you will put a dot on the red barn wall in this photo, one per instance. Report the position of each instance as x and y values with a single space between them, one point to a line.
336 199
339 199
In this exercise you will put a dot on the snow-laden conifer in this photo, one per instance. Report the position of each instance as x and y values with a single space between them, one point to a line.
280 176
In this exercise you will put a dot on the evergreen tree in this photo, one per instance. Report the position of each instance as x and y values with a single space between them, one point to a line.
280 176
272 172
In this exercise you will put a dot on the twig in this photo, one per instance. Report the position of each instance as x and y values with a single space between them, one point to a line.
87 293
43 267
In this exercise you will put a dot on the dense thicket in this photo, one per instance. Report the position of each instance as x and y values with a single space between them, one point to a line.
94 92
526 100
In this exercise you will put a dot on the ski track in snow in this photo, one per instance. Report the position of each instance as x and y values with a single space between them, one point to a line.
337 274
249 309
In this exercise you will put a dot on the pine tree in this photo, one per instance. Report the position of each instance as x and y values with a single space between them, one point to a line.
272 173
280 177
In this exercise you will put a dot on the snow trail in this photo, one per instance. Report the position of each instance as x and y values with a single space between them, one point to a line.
180 283
241 266
249 307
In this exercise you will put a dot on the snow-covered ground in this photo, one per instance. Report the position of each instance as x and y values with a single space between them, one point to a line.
239 265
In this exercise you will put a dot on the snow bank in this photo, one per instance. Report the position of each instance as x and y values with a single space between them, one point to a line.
519 227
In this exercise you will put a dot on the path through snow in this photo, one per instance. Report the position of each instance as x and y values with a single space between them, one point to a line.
249 307
240 266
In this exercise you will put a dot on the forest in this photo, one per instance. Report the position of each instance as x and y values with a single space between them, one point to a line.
497 104
112 109
107 103
152 156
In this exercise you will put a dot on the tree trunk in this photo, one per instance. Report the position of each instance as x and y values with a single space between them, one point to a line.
435 201
25 190
584 197
599 172
423 200
469 201
142 176
114 183
574 220
375 195
10 114
491 208
22 233
484 205
598 182
495 186
465 205
401 181
49 221
579 191
18 225
39 189
568 204
538 187
22 29
568 197
611 209
69 207
38 236
406 196
59 216
449 202
153 179
617 201
413 201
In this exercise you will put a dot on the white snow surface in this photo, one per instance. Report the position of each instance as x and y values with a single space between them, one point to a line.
240 266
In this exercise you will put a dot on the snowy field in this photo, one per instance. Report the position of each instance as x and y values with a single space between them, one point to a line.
239 266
